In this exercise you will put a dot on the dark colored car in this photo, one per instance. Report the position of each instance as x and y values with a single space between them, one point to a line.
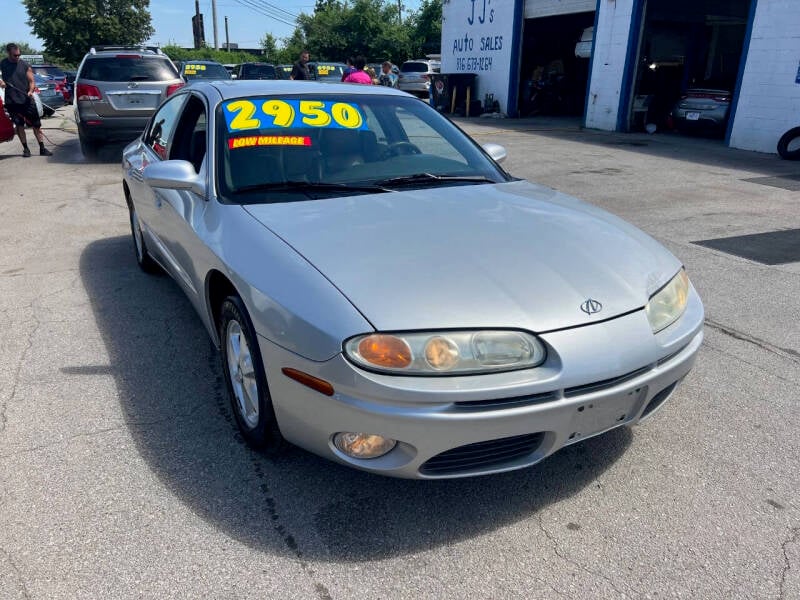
202 69
285 71
50 93
59 79
117 90
256 70
702 109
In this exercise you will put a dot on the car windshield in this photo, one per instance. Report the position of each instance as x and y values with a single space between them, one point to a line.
128 67
204 71
414 67
285 148
329 72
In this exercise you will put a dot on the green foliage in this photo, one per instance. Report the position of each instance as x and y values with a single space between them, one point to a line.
23 48
70 27
221 56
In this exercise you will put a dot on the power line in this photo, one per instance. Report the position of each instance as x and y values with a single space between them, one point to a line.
270 6
263 11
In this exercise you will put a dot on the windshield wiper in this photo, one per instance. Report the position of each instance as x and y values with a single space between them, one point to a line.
308 186
418 178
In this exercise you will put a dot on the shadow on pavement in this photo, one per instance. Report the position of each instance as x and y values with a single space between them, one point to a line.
171 392
69 152
687 147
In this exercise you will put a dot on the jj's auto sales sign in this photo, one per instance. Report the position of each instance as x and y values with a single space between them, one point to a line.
478 36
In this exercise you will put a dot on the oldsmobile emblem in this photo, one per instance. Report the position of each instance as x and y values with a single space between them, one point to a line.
591 307
132 85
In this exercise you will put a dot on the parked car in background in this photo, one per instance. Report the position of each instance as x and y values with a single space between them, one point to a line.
327 72
284 71
415 76
59 78
202 69
49 93
319 232
704 109
117 90
255 70
69 86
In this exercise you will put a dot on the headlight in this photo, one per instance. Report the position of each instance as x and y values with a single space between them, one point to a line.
667 304
446 353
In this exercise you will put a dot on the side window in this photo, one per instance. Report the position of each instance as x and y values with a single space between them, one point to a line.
189 142
162 126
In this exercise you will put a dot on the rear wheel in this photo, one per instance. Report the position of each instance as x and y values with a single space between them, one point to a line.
143 258
789 144
245 377
88 148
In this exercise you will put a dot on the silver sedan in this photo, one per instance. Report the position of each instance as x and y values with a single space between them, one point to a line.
383 294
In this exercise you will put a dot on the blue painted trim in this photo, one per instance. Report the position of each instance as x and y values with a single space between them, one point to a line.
742 62
512 105
631 60
591 62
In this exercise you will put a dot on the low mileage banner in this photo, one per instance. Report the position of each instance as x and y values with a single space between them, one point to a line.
272 113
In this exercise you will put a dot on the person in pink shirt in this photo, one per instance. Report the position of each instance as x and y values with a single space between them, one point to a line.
359 75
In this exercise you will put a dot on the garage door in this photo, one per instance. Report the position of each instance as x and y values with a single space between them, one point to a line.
550 8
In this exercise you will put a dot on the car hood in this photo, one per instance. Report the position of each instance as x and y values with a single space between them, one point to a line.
475 256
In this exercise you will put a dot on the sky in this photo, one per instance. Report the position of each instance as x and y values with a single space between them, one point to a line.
248 20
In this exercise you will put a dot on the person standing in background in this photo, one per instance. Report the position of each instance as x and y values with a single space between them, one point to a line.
359 75
300 69
17 80
349 68
387 77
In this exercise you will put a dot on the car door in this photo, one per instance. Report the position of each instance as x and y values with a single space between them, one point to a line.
153 146
181 213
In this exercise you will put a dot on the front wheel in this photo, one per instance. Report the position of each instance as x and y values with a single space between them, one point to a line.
245 377
143 258
789 144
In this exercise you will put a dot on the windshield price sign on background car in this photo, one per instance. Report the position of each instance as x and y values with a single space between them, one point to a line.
241 115
191 69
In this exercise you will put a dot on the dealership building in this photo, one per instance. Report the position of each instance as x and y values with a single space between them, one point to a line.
624 64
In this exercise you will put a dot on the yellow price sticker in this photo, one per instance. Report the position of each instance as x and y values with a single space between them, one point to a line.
241 115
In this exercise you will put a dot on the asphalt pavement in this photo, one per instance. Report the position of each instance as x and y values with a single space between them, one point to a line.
122 474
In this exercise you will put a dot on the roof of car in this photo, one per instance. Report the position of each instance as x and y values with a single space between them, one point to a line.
239 88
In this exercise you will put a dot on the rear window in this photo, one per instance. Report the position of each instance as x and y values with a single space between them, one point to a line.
414 67
205 71
128 68
259 72
49 71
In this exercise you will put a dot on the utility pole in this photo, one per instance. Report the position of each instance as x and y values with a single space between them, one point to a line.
399 12
227 41
214 18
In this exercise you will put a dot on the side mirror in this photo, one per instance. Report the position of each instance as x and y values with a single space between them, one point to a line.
496 151
174 175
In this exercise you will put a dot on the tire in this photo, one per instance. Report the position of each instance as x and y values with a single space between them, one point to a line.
143 258
88 149
245 378
790 139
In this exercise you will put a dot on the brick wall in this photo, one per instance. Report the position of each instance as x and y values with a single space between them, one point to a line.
769 99
611 46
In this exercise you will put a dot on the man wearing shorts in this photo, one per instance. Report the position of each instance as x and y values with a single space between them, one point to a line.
17 80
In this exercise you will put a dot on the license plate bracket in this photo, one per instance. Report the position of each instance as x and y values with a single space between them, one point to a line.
693 116
594 417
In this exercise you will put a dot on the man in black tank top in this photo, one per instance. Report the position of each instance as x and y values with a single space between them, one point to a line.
17 80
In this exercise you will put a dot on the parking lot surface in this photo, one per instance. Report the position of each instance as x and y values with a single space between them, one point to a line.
122 473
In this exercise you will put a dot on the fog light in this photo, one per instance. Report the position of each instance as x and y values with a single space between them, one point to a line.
363 445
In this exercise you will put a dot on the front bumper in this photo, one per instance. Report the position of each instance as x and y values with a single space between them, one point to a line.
595 378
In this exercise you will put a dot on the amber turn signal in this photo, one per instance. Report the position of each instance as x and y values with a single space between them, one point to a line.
316 384
385 351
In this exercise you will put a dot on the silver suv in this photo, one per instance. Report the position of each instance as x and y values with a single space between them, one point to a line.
415 76
117 90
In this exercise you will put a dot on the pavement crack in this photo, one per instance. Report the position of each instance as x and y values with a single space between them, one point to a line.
794 536
711 346
562 556
789 353
16 571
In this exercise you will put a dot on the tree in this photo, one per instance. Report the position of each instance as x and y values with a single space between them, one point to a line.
426 35
70 27
270 46
23 48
